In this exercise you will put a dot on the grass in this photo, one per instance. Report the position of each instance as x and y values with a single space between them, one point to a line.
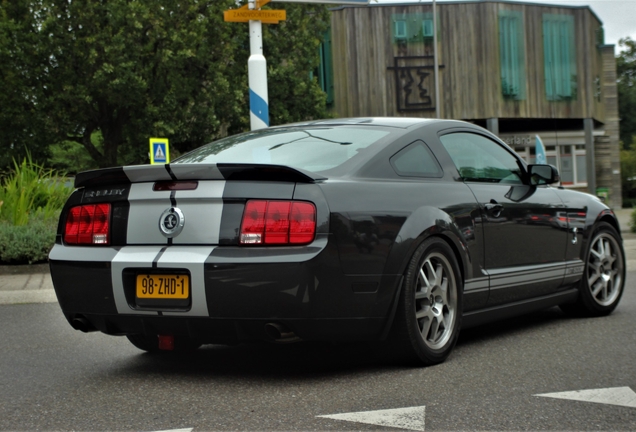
31 198
31 191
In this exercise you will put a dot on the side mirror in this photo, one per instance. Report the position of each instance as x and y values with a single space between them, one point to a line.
543 174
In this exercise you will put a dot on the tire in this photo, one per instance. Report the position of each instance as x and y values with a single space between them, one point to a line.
603 280
150 343
429 313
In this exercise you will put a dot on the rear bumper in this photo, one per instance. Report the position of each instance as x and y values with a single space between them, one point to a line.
235 292
231 331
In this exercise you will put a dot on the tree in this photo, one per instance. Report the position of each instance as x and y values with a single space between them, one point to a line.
626 70
21 126
132 69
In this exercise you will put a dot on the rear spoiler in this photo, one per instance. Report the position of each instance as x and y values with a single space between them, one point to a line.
176 172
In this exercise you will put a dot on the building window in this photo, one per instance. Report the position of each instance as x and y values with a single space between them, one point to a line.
511 55
413 28
400 29
427 28
569 159
559 57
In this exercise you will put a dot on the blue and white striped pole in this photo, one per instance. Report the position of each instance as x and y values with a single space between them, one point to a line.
257 76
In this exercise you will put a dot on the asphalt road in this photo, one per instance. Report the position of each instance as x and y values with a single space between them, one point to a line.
55 378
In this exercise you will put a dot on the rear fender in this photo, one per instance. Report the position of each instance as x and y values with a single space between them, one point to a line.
424 222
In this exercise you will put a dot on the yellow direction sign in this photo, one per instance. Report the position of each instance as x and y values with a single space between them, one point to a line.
245 15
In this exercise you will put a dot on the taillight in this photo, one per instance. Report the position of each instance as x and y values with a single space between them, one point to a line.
278 223
302 226
88 224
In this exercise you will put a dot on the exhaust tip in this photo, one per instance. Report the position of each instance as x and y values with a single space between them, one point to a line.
82 324
280 333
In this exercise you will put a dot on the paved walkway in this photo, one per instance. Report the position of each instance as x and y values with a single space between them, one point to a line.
32 284
26 288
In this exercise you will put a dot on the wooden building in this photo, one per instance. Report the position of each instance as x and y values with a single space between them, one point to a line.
519 69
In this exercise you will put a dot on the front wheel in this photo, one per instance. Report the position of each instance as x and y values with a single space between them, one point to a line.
428 317
604 276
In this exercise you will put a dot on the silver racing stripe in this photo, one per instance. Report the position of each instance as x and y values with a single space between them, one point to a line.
476 285
130 257
196 171
151 173
574 271
146 207
513 277
83 254
202 208
146 173
191 258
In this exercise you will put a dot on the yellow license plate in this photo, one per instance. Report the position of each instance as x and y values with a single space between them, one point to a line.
163 286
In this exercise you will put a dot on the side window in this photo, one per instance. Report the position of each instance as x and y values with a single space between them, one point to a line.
416 160
478 158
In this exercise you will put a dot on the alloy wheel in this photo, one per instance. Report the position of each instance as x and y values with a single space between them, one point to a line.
436 300
605 269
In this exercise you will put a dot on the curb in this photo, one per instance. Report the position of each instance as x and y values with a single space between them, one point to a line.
22 269
28 296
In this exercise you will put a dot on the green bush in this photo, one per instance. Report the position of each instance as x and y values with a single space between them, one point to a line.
27 244
629 202
31 191
31 198
632 222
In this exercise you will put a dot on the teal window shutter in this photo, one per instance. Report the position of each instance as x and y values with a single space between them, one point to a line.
325 69
559 56
399 31
548 57
512 55
412 28
427 28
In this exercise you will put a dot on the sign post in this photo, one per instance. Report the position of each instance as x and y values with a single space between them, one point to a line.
256 64
159 151
257 76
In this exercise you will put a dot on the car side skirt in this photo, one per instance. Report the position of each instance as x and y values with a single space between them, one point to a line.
483 316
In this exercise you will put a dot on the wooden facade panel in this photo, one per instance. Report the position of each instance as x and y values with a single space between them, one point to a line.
365 56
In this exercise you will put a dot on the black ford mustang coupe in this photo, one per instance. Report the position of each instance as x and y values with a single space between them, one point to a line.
394 229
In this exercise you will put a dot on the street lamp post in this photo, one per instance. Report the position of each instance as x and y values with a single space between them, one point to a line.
435 60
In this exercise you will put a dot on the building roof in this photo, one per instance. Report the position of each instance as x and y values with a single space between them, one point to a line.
560 6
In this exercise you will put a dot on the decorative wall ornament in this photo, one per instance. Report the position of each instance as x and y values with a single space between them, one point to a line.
414 83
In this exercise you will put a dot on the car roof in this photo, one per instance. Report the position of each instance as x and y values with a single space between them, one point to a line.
395 122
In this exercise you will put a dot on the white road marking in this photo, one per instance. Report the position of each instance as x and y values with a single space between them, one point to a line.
621 396
177 430
411 418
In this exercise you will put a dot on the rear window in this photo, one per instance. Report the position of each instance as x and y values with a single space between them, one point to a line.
308 148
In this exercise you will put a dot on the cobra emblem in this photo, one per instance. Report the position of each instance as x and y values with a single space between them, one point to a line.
171 222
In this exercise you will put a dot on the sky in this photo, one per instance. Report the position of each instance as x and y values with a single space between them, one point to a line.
618 16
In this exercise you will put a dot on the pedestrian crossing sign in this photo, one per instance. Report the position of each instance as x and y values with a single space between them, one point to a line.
159 151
